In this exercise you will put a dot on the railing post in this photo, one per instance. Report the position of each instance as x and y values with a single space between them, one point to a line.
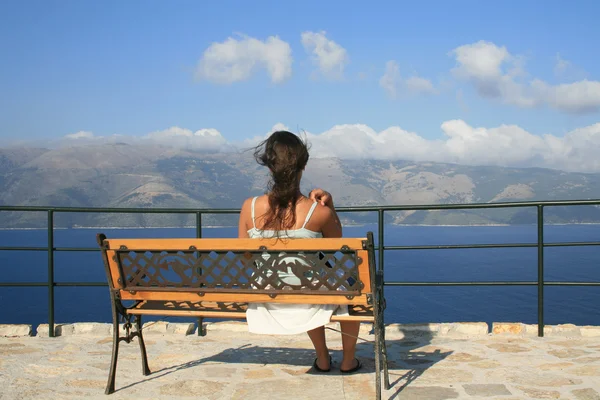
380 225
540 285
199 236
199 224
50 273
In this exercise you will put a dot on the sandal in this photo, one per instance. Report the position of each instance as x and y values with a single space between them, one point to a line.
318 369
352 370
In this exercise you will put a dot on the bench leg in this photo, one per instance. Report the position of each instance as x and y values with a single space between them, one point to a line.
138 326
386 375
110 386
201 331
377 360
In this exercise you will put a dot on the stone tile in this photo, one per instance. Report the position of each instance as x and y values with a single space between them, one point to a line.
259 373
539 393
155 327
359 387
313 386
227 326
295 372
508 328
486 390
218 371
19 350
445 376
413 329
468 329
427 392
587 360
555 366
15 330
181 329
463 357
508 348
586 394
572 343
567 330
568 353
210 390
86 383
486 364
542 379
590 331
586 370
44 371
10 345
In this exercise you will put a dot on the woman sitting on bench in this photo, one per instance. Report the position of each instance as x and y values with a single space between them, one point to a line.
286 213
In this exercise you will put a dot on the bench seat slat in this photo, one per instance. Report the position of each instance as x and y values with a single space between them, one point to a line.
181 296
208 309
237 244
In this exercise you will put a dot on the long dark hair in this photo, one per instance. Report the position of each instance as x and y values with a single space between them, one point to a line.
286 155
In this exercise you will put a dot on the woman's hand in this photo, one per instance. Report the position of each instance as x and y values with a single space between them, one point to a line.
321 196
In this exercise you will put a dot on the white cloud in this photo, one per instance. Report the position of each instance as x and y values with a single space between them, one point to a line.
416 84
495 73
561 66
205 139
327 55
461 143
237 60
80 135
391 81
279 127
506 145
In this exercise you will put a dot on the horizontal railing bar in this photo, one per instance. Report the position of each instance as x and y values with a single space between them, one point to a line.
426 247
468 206
475 283
44 284
571 244
76 249
551 283
490 246
80 284
491 283
20 248
461 246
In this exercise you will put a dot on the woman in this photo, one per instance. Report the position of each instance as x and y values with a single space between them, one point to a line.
285 212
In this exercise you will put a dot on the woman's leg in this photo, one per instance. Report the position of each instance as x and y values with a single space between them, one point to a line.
317 336
349 337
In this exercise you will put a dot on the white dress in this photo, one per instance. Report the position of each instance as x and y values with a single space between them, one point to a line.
288 319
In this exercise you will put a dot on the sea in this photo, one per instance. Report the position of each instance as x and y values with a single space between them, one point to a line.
576 305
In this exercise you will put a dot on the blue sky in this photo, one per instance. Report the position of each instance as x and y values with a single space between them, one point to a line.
132 67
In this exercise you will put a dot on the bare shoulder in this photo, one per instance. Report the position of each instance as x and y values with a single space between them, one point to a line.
246 204
321 216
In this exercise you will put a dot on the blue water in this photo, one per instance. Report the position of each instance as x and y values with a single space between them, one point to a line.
577 305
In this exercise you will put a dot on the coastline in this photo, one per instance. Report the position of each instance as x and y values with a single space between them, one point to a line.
345 225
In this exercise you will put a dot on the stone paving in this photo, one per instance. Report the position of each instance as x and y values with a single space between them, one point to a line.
230 363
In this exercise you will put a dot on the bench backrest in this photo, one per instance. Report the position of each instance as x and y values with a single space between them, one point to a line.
314 271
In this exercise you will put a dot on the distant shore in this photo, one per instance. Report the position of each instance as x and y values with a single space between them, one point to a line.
345 225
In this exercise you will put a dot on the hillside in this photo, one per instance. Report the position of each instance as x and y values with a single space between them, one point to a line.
123 175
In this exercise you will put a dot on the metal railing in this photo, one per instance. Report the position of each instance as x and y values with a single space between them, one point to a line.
381 248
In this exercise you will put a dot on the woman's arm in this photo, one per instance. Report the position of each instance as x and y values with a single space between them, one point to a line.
332 228
244 217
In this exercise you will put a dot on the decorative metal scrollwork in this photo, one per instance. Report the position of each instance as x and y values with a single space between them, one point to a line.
263 270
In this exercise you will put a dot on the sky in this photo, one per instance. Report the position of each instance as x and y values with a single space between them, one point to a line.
506 83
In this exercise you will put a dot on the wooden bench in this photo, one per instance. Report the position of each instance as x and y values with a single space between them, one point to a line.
217 278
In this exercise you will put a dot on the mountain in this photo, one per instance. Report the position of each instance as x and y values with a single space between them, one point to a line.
133 176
